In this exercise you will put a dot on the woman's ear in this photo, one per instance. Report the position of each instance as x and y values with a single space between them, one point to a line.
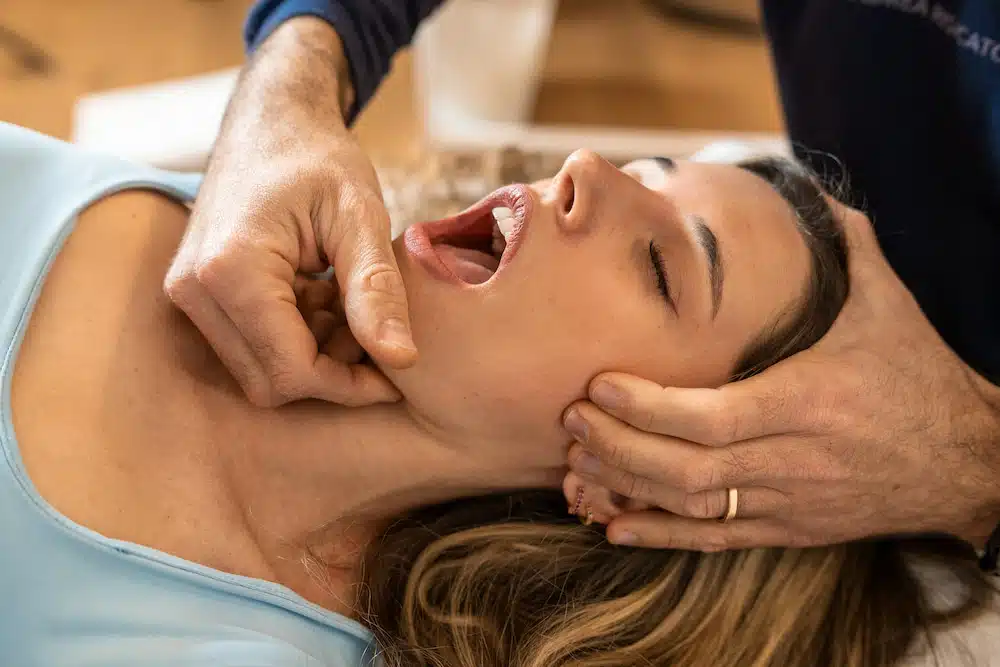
596 503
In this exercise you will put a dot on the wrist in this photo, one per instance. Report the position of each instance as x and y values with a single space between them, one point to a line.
984 444
297 83
315 44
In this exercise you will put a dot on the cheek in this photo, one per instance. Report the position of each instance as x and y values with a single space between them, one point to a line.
511 359
552 332
514 358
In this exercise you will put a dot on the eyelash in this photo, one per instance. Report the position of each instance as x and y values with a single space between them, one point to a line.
659 267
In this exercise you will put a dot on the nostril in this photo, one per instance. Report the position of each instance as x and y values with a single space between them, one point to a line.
570 197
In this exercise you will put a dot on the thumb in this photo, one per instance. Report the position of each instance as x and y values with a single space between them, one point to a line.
374 296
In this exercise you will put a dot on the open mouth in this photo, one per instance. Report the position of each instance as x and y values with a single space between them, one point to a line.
475 245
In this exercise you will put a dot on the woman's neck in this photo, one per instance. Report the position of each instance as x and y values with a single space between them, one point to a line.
128 424
316 479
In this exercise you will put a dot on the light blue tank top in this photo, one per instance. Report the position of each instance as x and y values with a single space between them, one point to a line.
69 596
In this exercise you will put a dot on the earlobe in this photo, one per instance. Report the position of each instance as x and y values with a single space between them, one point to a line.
591 503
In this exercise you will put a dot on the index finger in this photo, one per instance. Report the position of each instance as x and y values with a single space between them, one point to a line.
751 408
261 305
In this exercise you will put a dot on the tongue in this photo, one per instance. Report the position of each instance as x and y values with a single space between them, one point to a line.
472 266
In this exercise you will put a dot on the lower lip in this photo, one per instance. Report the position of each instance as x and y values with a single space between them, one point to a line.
518 198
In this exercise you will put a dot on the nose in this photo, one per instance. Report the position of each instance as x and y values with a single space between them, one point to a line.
580 188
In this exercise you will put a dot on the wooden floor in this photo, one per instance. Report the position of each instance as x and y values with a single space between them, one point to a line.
611 62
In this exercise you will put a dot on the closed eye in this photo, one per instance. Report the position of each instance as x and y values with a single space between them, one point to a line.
660 270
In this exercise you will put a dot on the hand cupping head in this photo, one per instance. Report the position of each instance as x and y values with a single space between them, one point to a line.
684 273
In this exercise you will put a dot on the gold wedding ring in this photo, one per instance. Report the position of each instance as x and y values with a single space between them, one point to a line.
733 506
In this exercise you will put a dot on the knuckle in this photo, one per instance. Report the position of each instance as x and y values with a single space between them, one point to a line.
181 285
697 478
258 391
617 456
284 386
212 272
633 486
575 454
701 506
661 537
356 400
261 397
696 506
362 207
382 279
713 542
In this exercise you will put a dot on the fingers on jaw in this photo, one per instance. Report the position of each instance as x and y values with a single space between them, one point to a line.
617 393
352 385
616 443
636 401
640 494
379 315
753 503
630 461
648 406
592 471
707 416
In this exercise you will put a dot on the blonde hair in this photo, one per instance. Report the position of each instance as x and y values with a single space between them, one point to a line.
511 580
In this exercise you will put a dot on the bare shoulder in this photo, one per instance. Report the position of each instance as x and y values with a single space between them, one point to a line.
105 405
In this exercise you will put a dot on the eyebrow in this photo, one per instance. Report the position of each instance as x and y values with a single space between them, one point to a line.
709 242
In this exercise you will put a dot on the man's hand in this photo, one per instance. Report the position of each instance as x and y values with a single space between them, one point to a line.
287 192
877 429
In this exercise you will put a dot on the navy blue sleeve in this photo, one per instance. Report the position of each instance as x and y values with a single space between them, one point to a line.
372 31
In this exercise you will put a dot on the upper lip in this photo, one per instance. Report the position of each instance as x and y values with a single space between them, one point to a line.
518 197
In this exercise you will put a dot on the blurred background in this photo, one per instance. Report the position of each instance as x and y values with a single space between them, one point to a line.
655 66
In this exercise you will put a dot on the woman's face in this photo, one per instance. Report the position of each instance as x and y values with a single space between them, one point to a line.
667 271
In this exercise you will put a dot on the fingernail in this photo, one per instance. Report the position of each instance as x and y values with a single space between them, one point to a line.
625 539
395 332
608 396
576 425
587 464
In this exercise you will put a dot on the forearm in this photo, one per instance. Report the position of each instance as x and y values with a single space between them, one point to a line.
371 32
296 80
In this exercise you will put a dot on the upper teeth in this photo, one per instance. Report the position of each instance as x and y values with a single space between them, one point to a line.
505 221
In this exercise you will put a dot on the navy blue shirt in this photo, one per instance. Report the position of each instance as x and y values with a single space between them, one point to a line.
902 95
